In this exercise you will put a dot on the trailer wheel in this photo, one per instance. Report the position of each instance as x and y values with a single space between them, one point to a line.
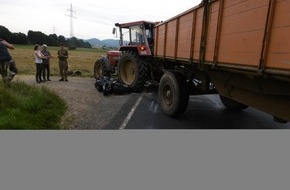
231 104
132 70
102 68
173 94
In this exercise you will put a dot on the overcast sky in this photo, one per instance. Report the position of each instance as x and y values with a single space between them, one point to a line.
92 18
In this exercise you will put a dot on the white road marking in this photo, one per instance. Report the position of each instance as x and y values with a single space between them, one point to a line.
153 107
125 122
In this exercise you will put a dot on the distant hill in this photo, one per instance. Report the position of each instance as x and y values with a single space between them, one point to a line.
99 43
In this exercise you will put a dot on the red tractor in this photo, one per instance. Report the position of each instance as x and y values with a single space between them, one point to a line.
130 63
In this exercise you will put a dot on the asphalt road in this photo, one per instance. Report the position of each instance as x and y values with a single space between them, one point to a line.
142 111
93 110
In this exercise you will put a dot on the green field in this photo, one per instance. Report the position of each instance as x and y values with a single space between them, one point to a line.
81 59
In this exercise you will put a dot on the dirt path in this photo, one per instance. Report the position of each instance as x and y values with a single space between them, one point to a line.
87 108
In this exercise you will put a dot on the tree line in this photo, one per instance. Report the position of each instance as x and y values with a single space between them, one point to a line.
36 37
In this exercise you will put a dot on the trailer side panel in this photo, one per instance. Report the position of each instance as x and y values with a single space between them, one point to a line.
198 33
279 48
212 31
242 32
185 34
171 39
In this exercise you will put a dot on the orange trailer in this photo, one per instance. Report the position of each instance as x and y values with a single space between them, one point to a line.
238 48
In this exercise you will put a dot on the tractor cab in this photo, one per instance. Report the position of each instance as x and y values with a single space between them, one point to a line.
137 36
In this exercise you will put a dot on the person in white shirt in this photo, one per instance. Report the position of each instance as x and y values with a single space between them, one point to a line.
38 62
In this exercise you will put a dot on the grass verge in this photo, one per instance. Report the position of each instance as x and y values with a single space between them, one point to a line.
26 107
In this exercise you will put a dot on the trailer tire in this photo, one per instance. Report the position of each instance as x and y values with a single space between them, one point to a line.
173 94
102 68
132 71
231 104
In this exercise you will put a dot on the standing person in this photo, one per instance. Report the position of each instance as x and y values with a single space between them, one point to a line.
45 63
62 55
38 62
6 62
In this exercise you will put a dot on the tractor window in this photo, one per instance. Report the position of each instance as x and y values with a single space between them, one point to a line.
149 36
137 36
148 33
126 36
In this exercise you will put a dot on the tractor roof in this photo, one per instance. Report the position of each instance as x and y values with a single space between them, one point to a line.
127 25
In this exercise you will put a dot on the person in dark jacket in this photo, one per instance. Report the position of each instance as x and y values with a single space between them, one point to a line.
45 63
6 62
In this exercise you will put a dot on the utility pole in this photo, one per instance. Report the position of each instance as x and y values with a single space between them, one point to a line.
72 16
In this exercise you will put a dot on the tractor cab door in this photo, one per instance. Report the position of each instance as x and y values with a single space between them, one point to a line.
149 34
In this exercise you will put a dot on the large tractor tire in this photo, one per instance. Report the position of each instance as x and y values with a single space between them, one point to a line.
132 71
231 104
173 94
102 68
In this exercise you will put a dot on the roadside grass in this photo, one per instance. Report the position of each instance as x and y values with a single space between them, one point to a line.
29 108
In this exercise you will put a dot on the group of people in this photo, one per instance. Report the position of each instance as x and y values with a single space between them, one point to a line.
6 62
42 59
42 62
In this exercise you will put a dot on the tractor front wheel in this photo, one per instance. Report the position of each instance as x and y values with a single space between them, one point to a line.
102 68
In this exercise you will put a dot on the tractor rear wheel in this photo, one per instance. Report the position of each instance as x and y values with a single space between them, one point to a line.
102 68
173 93
132 70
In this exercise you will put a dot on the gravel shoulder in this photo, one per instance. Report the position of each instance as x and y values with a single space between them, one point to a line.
87 108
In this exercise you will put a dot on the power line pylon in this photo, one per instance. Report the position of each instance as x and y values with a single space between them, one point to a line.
72 14
54 29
